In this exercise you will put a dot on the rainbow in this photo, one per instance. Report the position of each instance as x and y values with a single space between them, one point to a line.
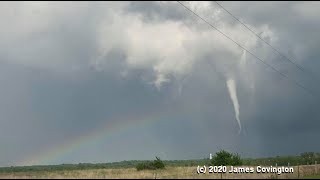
104 131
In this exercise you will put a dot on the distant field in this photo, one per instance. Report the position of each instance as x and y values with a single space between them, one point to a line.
174 169
280 161
169 172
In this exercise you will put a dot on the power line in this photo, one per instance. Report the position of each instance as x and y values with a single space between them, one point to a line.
281 54
297 83
298 66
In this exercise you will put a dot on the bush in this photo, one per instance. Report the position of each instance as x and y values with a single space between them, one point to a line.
145 166
225 158
156 164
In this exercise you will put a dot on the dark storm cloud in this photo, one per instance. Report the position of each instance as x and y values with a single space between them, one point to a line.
40 109
294 24
66 70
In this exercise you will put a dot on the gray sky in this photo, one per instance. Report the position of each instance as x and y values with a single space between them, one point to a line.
111 81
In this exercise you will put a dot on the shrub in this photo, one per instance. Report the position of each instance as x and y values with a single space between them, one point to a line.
156 164
225 158
145 166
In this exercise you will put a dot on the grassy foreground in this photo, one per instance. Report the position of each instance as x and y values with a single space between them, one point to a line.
169 172
312 177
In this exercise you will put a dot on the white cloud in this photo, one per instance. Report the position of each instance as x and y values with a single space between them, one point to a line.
167 48
171 47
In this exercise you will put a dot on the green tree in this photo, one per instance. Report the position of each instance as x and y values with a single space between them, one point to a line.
226 159
158 164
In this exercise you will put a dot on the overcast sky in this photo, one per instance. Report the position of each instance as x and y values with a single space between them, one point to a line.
112 81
